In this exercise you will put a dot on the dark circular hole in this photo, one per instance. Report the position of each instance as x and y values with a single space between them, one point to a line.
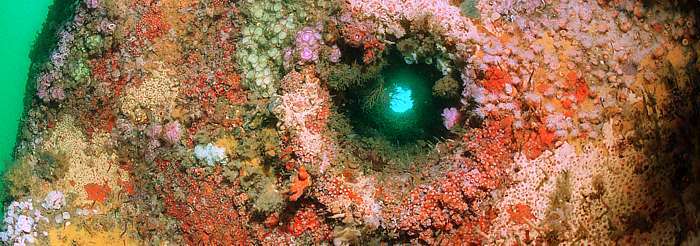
398 105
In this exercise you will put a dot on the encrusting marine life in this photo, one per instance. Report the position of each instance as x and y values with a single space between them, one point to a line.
360 122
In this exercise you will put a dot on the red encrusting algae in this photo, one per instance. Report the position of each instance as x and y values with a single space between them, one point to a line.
496 79
209 209
520 213
299 183
97 192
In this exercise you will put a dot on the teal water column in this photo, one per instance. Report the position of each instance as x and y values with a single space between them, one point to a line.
401 100
20 21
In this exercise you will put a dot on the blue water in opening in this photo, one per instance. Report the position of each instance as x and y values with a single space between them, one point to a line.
401 100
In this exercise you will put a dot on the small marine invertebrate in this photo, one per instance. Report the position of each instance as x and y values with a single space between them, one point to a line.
308 36
372 47
355 33
54 200
155 95
154 130
92 4
79 72
335 54
308 44
304 109
270 198
308 54
106 27
94 44
222 220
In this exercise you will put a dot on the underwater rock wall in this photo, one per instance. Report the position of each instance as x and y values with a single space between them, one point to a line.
228 122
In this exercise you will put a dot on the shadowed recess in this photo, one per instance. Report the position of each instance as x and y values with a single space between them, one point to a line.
398 105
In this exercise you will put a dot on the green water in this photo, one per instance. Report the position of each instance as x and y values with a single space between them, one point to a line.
20 21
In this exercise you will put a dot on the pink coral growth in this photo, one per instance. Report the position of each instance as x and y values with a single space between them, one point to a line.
308 54
450 116
308 36
46 87
388 14
308 44
172 132
48 91
154 130
57 93
305 110
92 4
362 34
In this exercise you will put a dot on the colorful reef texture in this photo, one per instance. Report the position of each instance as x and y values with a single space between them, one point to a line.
225 122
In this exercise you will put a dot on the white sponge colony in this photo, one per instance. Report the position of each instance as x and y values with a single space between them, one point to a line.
210 153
